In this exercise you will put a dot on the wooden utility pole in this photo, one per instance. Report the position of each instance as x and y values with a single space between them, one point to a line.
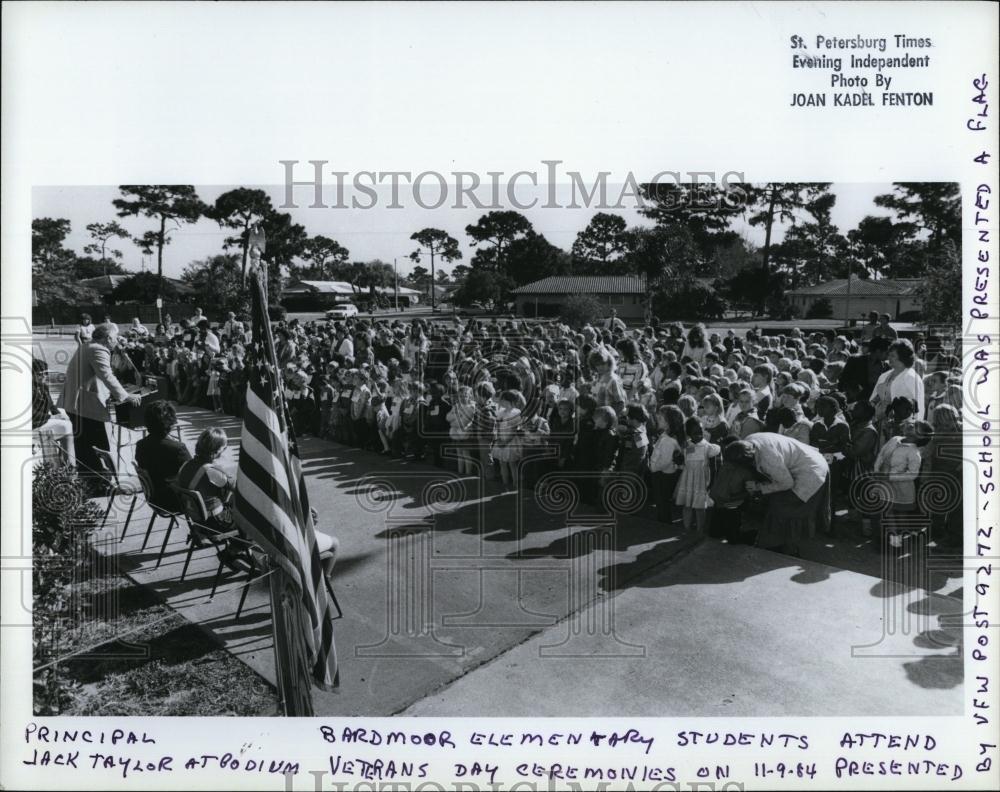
431 246
766 254
847 308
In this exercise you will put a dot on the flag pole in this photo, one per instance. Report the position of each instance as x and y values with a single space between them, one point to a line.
291 667
291 663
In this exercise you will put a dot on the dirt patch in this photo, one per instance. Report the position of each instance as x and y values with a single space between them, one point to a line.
162 665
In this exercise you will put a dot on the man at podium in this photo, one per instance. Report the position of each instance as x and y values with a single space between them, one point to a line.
90 385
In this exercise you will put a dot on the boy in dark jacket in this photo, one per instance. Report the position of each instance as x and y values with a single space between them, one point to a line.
583 448
562 430
434 427
604 451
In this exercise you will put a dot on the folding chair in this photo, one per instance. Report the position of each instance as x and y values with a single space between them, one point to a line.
329 586
157 511
45 445
231 548
117 488
333 597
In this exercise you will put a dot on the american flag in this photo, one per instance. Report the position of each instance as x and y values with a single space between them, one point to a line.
271 504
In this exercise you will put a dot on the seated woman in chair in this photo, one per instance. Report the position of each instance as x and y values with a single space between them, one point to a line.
160 455
204 475
46 418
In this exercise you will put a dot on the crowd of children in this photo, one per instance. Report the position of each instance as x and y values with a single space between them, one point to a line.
514 400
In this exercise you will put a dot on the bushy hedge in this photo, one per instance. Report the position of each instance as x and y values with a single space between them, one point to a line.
692 301
583 309
820 309
62 520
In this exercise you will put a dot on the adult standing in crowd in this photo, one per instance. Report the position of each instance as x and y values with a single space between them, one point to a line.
90 386
900 381
870 330
884 329
613 323
233 328
85 330
862 371
696 346
208 338
343 346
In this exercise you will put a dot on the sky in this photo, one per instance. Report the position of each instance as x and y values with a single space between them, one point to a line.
380 232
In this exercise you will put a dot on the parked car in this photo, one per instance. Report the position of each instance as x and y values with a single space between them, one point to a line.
474 309
344 311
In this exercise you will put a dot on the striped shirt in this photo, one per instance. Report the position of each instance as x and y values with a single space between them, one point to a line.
208 479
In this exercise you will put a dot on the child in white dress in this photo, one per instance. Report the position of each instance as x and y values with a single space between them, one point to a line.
507 446
899 461
692 488
381 421
213 390
460 419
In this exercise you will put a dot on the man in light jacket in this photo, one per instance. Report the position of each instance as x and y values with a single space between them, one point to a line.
90 385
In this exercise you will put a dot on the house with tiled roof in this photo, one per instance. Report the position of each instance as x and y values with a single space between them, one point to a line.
625 293
857 297
105 284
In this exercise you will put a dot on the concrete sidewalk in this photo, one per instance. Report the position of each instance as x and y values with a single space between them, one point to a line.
464 601
731 631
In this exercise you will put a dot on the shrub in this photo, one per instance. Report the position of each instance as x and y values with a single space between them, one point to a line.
62 520
61 516
491 289
751 290
144 287
691 300
582 309
779 308
820 309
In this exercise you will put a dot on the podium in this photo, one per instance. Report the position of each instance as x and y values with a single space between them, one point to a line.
133 417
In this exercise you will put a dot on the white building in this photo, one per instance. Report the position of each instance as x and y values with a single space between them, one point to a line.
859 297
